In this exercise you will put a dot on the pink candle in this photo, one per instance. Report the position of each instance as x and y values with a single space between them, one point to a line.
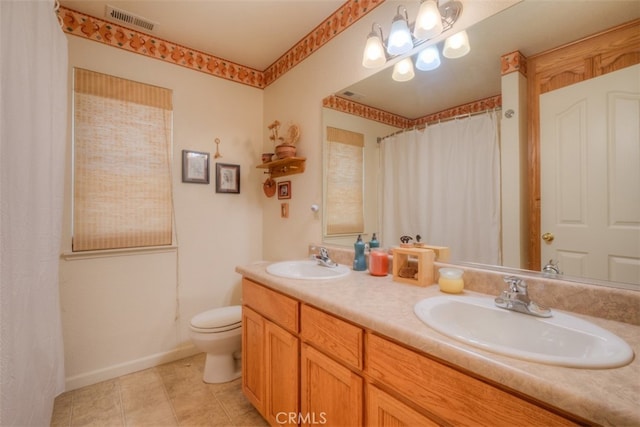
378 263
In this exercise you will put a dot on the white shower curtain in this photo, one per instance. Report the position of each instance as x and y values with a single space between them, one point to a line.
33 121
443 183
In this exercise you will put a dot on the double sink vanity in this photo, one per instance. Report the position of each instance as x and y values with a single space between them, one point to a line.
355 349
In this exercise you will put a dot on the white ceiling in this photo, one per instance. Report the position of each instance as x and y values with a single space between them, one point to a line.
255 33
532 26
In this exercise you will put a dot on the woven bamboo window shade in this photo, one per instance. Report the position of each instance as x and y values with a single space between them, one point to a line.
122 163
344 209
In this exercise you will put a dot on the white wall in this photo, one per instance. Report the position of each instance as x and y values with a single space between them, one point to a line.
119 313
514 169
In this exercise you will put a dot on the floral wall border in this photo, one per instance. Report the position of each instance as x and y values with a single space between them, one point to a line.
95 29
99 30
350 107
346 15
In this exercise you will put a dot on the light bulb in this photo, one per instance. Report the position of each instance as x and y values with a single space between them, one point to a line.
457 45
400 37
403 70
428 59
373 55
428 22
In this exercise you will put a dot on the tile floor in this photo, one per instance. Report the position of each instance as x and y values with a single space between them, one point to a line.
167 395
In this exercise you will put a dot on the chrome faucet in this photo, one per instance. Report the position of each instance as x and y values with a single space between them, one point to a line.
551 268
324 259
516 298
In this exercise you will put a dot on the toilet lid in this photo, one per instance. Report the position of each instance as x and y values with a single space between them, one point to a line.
218 317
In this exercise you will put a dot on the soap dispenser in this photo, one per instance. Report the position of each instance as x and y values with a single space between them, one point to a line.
374 243
359 261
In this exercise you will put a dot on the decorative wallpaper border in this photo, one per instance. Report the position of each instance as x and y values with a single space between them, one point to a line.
99 30
340 20
514 61
350 107
470 108
95 29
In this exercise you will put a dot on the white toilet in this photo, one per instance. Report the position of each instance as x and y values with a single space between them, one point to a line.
217 332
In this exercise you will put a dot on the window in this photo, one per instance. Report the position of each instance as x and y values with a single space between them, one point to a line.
344 204
122 163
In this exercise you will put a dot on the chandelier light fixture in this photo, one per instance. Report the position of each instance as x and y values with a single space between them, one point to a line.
431 21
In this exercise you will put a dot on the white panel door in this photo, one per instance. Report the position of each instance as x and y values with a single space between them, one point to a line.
590 177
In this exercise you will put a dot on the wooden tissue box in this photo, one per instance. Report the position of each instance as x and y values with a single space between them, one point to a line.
413 266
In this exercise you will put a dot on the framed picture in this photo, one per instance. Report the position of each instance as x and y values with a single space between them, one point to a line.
284 190
195 167
227 178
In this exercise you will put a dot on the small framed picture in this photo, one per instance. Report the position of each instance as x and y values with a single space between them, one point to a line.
227 178
284 190
195 167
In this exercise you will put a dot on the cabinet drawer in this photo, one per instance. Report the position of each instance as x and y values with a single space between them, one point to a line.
276 307
333 336
451 395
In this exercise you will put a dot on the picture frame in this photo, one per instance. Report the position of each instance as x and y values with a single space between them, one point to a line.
195 167
284 190
227 178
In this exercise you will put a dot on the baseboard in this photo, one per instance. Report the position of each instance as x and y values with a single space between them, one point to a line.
114 371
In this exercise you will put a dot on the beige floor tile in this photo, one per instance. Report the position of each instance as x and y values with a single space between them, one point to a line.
172 394
97 405
62 408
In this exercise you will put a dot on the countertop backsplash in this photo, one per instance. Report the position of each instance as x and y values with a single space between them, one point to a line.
622 305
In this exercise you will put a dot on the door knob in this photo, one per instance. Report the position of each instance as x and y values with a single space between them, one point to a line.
548 237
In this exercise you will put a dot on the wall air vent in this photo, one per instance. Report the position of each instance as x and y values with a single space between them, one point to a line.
129 19
352 95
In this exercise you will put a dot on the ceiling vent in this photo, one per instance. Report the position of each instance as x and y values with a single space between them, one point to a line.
352 95
129 19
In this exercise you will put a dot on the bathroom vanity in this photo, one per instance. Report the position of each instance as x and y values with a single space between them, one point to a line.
351 351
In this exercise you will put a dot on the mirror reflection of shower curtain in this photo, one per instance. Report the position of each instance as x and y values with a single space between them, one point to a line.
443 183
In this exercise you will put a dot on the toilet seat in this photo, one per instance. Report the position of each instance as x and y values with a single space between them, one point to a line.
218 320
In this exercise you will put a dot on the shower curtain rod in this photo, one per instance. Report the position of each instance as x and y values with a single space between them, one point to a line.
422 126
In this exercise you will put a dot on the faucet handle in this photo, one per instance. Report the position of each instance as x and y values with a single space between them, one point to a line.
324 253
516 284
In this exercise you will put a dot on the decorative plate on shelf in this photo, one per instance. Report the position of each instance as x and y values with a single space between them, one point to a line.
293 135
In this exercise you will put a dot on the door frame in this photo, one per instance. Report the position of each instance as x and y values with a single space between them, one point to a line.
593 56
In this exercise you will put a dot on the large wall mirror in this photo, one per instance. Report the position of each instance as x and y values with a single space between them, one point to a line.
530 27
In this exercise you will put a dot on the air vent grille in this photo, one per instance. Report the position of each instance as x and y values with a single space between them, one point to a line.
130 19
352 95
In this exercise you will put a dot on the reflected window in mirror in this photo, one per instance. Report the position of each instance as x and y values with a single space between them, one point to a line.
345 171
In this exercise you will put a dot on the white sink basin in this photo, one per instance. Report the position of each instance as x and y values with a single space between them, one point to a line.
558 340
307 269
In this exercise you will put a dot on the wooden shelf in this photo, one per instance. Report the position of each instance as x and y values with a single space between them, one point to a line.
284 167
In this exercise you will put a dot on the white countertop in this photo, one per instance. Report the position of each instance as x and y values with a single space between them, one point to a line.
604 396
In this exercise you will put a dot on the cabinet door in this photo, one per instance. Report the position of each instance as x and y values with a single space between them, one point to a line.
282 374
253 360
330 393
386 411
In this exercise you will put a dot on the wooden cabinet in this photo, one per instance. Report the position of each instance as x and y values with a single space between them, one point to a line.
253 359
330 393
342 340
302 365
449 394
383 410
270 353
